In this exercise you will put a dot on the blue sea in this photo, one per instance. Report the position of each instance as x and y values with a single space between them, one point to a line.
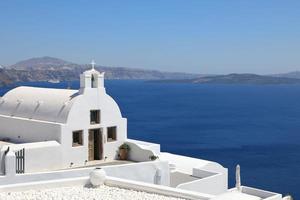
256 126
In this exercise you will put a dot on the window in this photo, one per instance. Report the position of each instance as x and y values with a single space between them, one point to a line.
111 134
77 138
95 116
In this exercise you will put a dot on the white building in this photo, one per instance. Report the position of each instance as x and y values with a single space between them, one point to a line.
53 134
60 128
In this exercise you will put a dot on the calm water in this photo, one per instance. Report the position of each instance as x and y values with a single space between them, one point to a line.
257 127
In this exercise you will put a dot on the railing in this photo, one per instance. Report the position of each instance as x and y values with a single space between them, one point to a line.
20 161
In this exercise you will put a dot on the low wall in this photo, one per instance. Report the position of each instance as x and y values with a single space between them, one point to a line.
156 172
19 130
157 189
261 193
40 156
212 185
39 185
144 172
141 151
45 176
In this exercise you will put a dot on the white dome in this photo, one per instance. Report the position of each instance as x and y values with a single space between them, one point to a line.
43 104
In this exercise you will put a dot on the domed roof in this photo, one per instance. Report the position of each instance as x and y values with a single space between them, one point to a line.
45 104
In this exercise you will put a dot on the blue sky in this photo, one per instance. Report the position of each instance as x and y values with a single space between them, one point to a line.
201 36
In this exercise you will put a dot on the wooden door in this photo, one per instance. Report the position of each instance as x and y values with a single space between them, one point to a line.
91 145
98 153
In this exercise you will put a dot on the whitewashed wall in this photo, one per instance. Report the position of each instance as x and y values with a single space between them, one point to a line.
263 194
148 172
40 156
21 130
144 172
141 151
79 119
25 130
214 185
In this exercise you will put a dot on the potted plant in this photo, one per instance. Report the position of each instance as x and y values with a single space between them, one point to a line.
123 151
153 157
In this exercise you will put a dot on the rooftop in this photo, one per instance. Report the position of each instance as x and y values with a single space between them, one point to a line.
45 104
177 178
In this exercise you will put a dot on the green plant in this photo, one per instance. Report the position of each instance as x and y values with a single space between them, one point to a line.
153 157
125 146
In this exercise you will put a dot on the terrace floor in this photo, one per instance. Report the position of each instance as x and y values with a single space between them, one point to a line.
99 163
177 178
95 163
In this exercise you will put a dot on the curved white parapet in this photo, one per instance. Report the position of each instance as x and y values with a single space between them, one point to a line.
261 194
141 151
287 197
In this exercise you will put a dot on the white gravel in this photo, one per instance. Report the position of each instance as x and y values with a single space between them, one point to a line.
83 193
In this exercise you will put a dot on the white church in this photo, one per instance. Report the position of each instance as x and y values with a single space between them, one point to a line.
58 136
60 128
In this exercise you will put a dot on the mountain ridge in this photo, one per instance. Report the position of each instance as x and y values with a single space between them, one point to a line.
50 68
293 74
41 63
235 78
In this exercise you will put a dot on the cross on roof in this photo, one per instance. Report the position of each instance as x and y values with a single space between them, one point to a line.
93 64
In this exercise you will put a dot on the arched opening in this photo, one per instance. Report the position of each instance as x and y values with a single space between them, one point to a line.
93 84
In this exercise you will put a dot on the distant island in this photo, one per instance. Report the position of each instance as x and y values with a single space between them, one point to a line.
48 69
236 79
52 69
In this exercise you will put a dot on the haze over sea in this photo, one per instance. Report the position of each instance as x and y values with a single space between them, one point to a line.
256 126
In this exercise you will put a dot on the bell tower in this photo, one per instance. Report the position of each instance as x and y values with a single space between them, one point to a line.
91 79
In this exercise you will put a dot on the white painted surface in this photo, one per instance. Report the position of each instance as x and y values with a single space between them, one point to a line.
248 193
235 196
63 178
182 163
187 164
141 151
155 148
145 172
158 189
50 160
45 104
29 114
213 185
42 156
267 195
20 130
10 166
214 177
27 178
